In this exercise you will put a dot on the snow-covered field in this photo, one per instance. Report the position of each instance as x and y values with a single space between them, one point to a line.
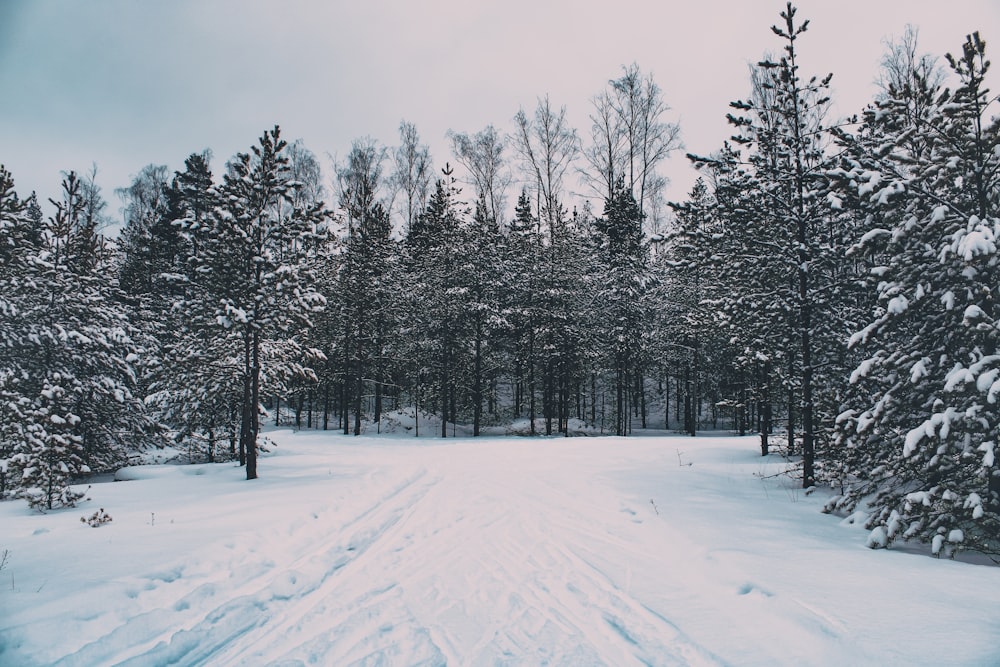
579 551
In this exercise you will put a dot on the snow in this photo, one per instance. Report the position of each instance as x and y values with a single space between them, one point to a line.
973 312
948 299
398 551
863 369
873 234
897 305
870 180
988 454
977 240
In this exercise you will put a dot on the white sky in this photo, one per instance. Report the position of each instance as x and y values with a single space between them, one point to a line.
126 83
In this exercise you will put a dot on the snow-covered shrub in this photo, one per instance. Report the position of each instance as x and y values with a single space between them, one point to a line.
97 519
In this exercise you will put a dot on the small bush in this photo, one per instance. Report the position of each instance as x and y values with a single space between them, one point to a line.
97 519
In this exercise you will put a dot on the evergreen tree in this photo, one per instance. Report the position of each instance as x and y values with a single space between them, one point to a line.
627 280
919 424
433 318
194 381
253 261
66 375
778 190
365 283
521 307
700 273
479 279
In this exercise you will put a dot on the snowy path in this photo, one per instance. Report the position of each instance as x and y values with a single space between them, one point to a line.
497 552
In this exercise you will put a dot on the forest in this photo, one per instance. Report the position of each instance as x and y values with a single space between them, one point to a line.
829 284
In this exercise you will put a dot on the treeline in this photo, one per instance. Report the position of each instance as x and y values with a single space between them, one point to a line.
834 281
228 299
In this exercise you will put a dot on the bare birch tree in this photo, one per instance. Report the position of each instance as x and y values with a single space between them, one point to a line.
482 156
411 174
630 138
547 146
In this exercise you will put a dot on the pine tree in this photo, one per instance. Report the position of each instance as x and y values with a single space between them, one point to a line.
193 381
701 295
782 138
51 450
365 283
253 261
20 244
919 423
479 279
433 317
66 363
627 280
522 256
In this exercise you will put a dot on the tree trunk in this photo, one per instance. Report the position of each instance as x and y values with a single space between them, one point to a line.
254 417
444 392
791 409
642 396
326 406
531 380
765 409
593 399
247 397
477 390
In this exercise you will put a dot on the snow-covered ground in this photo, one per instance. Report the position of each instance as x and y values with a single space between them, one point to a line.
510 551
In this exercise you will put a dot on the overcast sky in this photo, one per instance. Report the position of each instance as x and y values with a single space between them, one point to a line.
125 83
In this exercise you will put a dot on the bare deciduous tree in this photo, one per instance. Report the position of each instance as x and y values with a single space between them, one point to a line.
630 139
482 155
412 173
547 146
359 179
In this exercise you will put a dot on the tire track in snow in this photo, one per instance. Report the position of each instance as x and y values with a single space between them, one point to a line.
585 597
250 604
335 622
482 581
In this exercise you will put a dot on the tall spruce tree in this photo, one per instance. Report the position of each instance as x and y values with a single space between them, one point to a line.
434 313
366 274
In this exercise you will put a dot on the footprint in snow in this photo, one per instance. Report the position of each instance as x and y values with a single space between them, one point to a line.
748 588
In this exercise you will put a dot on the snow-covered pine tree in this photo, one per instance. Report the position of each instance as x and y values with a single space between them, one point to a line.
781 132
253 264
479 273
66 356
20 243
50 450
434 308
920 424
627 280
520 305
701 292
365 297
193 381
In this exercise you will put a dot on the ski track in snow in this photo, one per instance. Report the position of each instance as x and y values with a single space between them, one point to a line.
500 553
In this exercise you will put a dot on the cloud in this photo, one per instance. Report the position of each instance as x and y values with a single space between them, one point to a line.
128 83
